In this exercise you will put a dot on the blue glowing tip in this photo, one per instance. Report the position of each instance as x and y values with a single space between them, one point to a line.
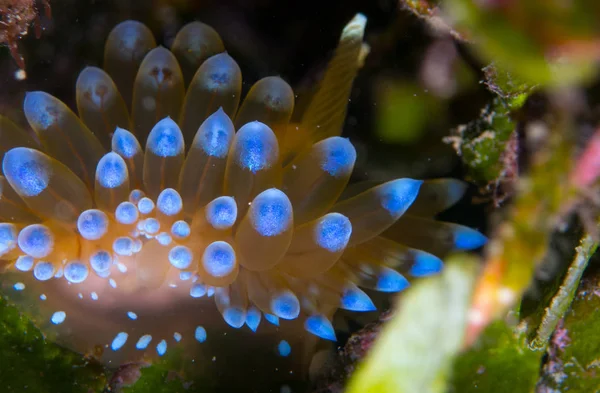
131 315
165 139
337 156
180 229
135 196
234 316
180 257
126 213
26 170
24 263
76 272
125 144
396 196
123 246
272 319
177 336
389 280
41 110
221 213
468 239
284 348
253 316
111 171
119 340
145 205
19 286
354 299
200 334
151 225
161 348
256 147
198 290
425 264
164 238
143 342
101 261
271 213
169 202
43 271
92 224
219 259
320 326
8 237
333 232
285 305
36 240
184 276
58 317
215 134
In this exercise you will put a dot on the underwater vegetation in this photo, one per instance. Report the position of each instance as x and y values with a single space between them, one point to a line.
165 214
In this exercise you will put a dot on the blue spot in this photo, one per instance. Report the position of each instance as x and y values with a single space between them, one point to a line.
177 336
272 319
132 315
221 213
112 283
94 296
234 316
164 239
284 348
338 156
396 196
354 299
24 263
271 213
169 202
76 272
180 229
125 144
92 224
123 246
222 69
210 291
8 237
165 139
43 297
58 317
389 280
111 171
253 316
36 240
200 334
219 259
215 134
161 348
425 264
101 261
41 109
468 239
119 340
135 196
184 276
333 232
320 326
198 290
180 257
145 205
26 170
126 213
19 286
285 305
151 225
256 147
143 342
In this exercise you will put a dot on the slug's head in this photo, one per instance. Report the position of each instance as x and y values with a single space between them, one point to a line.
166 212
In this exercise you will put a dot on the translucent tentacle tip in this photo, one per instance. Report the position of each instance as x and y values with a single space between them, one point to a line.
92 224
256 146
320 326
468 239
221 213
8 237
285 305
333 232
126 213
354 299
219 259
181 257
25 171
338 156
76 272
389 280
169 202
125 143
36 240
111 171
396 196
165 139
253 317
271 213
101 261
216 134
41 109
425 264
234 316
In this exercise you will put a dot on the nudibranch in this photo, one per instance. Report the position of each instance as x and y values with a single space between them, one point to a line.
165 214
